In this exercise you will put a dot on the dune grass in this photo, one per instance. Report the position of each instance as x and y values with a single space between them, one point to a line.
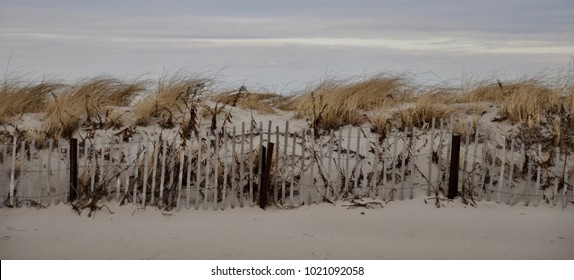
342 102
521 101
173 98
262 103
17 98
87 99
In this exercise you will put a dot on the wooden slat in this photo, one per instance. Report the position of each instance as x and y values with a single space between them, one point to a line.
225 169
208 161
188 177
501 180
301 179
429 175
241 165
403 164
145 175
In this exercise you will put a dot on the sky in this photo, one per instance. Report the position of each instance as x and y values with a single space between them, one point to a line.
284 44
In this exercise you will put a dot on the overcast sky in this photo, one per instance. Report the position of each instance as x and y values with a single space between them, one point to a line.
289 43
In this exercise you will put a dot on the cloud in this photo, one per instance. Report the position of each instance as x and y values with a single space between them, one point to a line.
267 39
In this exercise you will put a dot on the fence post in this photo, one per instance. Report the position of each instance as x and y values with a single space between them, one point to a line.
73 169
454 158
267 161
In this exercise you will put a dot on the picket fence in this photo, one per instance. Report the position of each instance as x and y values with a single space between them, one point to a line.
221 169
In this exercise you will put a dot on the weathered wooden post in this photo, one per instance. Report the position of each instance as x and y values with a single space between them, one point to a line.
454 158
73 169
265 179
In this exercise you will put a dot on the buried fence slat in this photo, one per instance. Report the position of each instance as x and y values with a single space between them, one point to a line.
129 164
276 167
154 167
233 181
449 146
339 183
22 162
538 175
347 167
216 171
58 169
2 176
30 179
85 161
119 172
198 177
357 162
49 180
111 166
312 171
250 165
474 156
292 170
241 165
145 174
511 173
73 167
394 166
301 179
260 163
464 176
556 178
483 172
162 176
172 158
136 173
528 178
40 174
68 174
94 168
522 156
102 165
492 171
375 171
538 171
284 163
439 176
403 164
208 161
565 182
501 181
225 169
365 165
412 162
188 177
329 165
385 162
433 123
180 179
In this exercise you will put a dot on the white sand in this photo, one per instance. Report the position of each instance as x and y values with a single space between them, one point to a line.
401 230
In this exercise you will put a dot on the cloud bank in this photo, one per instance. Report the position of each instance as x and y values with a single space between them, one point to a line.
280 42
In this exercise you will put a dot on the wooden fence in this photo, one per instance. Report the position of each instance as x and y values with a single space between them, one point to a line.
221 169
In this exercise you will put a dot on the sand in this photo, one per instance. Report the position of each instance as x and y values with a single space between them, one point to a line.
408 229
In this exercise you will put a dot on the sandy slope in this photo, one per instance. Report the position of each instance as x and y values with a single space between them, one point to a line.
402 230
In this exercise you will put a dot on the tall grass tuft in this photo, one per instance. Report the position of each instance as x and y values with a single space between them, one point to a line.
344 101
521 101
263 103
27 98
172 98
87 99
426 108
